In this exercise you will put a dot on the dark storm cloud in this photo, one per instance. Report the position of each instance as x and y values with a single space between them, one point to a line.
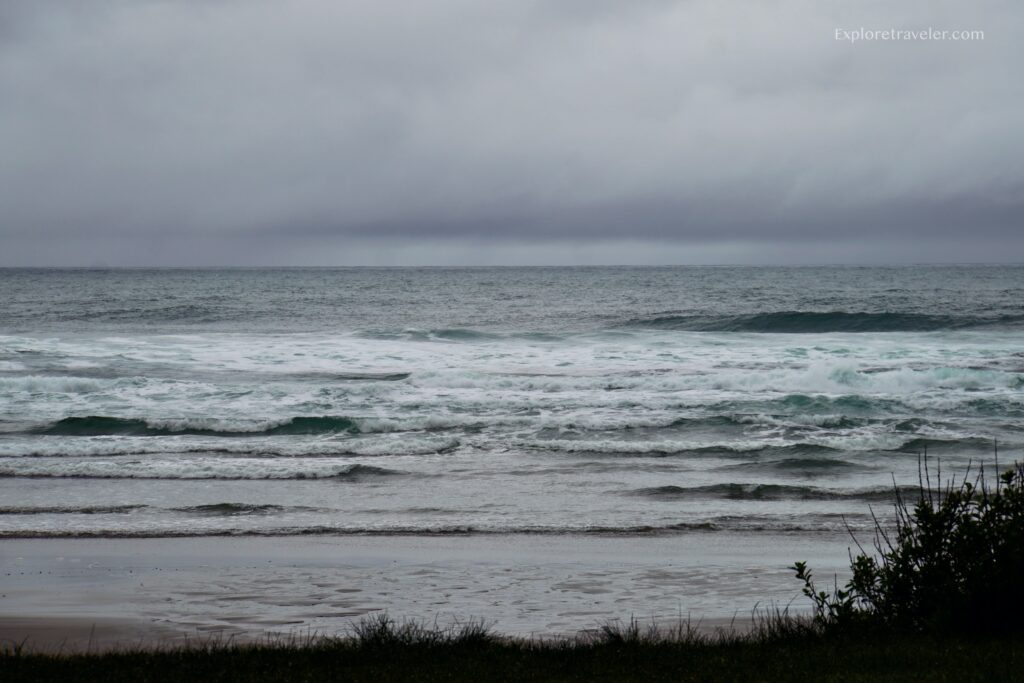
705 221
319 131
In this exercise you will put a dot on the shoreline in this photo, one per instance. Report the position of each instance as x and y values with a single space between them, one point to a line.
784 650
249 588
67 635
84 635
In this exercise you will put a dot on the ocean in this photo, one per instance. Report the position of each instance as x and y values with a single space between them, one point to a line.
492 401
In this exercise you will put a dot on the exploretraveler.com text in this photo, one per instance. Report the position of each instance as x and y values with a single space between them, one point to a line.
855 35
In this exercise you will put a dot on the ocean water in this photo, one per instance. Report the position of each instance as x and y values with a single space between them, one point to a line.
496 400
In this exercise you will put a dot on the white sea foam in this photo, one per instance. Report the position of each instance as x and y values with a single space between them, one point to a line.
188 468
553 430
37 384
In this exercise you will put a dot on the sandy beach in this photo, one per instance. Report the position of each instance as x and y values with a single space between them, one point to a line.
106 593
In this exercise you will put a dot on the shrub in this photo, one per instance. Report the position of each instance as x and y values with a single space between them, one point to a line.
955 563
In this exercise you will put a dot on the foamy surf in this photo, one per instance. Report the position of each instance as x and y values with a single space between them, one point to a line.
497 401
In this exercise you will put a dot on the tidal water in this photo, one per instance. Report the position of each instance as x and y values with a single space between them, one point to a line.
496 400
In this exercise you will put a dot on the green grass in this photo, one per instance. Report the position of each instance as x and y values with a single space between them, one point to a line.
379 650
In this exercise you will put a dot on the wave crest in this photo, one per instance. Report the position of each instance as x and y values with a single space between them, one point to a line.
822 321
735 491
101 425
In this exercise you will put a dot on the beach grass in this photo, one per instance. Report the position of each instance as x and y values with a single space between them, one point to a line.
779 648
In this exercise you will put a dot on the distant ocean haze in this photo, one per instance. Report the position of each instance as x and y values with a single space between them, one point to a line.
495 400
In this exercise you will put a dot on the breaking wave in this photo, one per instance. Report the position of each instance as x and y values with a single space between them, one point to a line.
213 509
724 523
57 510
99 425
231 470
236 509
733 491
820 322
457 334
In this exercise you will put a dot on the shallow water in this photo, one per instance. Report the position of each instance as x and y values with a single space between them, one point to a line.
248 587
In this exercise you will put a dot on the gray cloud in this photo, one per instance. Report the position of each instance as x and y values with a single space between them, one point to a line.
319 131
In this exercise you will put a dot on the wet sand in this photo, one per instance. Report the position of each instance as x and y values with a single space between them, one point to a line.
81 634
77 594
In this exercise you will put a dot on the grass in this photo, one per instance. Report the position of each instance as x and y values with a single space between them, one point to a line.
780 648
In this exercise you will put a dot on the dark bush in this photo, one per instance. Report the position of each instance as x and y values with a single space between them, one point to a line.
953 564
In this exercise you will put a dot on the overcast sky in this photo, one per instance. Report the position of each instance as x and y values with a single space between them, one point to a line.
323 132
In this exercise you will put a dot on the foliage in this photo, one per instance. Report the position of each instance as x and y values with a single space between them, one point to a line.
955 563
780 648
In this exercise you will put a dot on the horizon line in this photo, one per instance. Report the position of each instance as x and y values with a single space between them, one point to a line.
524 265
